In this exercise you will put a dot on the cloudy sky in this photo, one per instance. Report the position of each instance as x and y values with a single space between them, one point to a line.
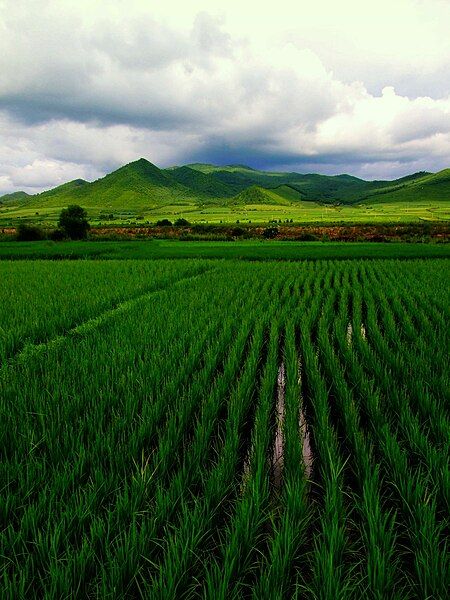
352 86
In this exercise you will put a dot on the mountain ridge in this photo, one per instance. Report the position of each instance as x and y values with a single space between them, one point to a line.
142 186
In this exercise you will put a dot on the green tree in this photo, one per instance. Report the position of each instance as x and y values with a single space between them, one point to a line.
73 220
270 232
29 233
182 222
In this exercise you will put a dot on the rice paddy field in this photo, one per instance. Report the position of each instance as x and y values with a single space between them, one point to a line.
223 430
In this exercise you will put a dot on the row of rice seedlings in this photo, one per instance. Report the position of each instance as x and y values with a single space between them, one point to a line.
418 383
291 287
180 417
416 283
182 547
423 402
428 362
417 526
199 455
58 450
231 570
101 444
276 578
430 336
428 390
377 525
161 496
40 300
330 577
410 322
408 426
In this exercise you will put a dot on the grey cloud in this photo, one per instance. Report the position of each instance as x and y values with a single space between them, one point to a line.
420 122
81 100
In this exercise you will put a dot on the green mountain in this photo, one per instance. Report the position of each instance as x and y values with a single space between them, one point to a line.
260 196
64 190
202 183
342 189
142 189
14 198
137 185
428 186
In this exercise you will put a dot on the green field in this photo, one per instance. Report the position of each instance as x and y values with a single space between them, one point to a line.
241 250
300 212
224 429
141 193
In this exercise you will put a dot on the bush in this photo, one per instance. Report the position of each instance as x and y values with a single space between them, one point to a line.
73 221
164 223
182 223
57 235
307 237
270 232
205 228
238 231
29 233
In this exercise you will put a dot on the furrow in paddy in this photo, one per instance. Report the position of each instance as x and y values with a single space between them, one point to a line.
32 350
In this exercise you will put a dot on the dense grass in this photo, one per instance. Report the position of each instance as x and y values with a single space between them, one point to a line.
242 250
154 417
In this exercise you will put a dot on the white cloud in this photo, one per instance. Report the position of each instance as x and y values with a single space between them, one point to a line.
346 86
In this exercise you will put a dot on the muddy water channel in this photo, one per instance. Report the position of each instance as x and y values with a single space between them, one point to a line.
279 440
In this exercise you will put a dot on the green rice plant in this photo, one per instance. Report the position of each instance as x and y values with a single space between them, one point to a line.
182 545
291 513
41 300
409 427
416 509
329 576
145 453
377 526
166 499
226 576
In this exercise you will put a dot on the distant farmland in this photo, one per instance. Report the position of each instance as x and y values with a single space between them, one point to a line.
224 429
142 193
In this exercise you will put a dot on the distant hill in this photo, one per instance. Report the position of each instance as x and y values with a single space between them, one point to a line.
429 186
140 187
14 198
139 184
199 182
260 196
